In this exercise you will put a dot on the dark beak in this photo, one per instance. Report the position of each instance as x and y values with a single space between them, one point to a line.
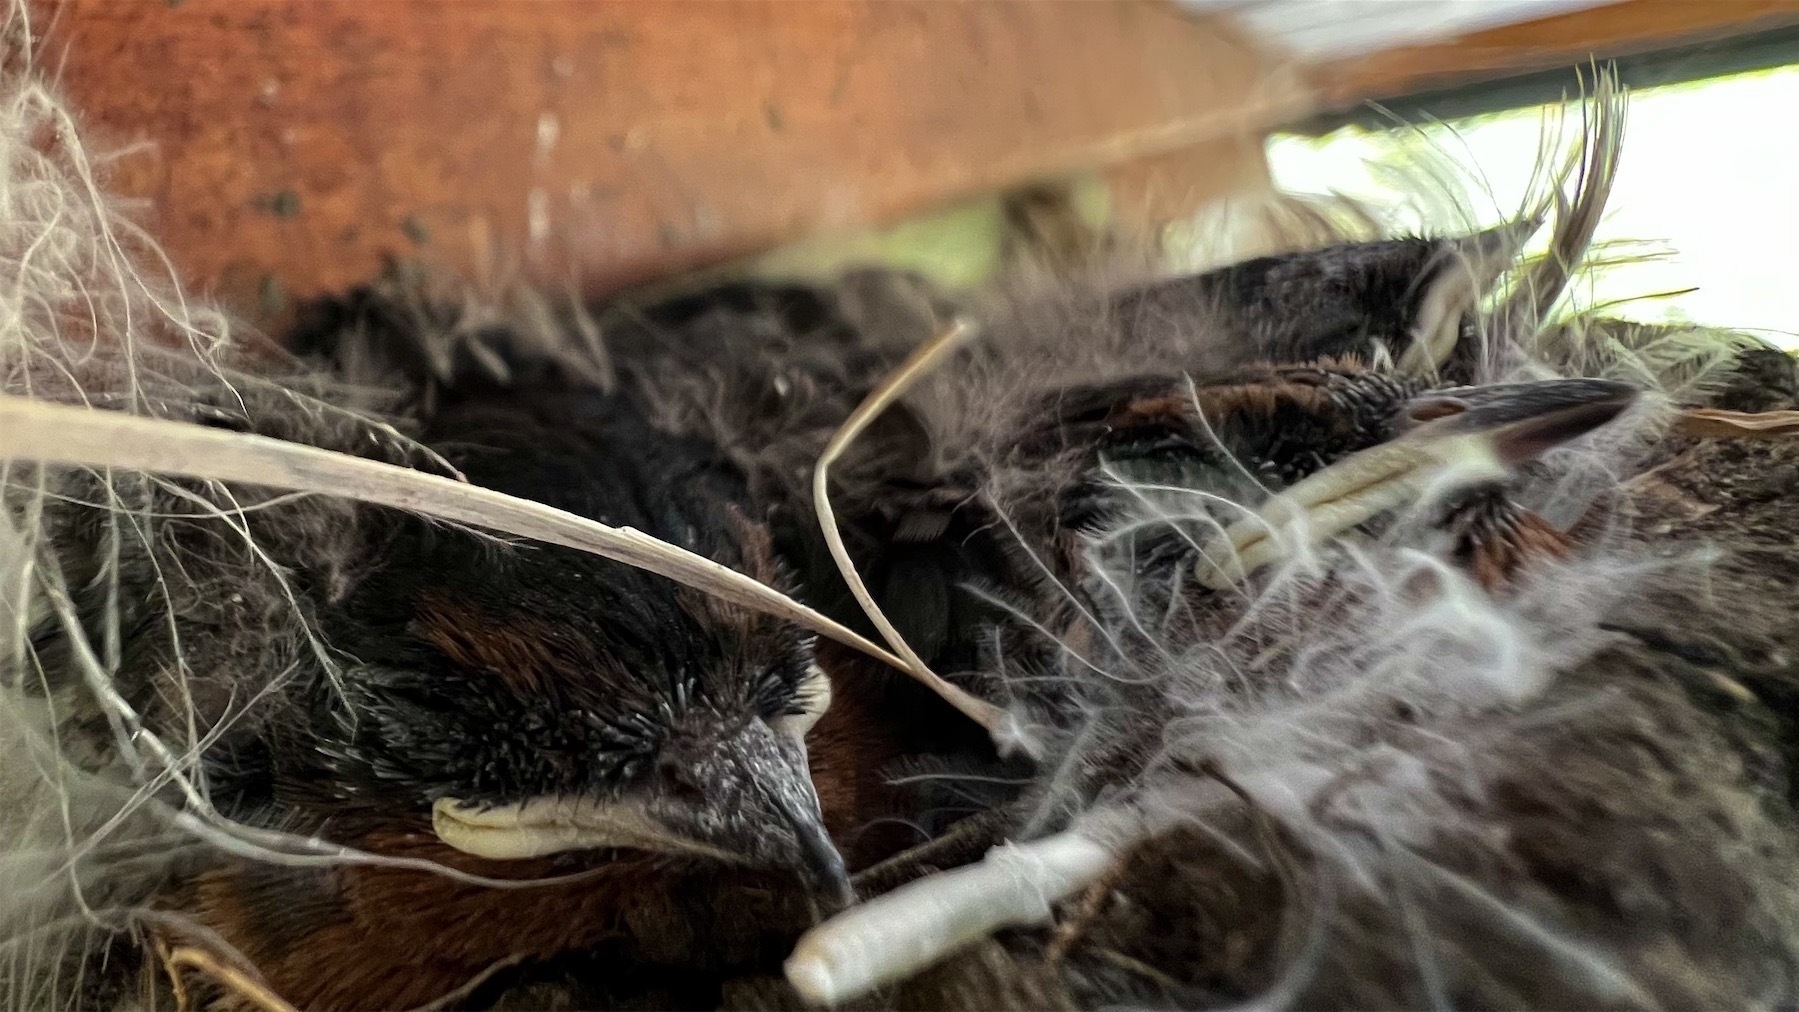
819 865
1461 437
741 798
750 795
1522 420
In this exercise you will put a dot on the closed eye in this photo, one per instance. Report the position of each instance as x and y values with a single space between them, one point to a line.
810 701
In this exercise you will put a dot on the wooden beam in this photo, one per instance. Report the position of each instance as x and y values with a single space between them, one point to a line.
293 146
1620 29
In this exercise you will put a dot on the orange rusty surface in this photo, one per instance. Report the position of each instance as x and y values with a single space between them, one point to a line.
297 144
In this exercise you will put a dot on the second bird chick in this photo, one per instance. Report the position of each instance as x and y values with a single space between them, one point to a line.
525 712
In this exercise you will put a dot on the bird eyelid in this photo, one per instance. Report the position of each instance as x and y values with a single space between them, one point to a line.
810 701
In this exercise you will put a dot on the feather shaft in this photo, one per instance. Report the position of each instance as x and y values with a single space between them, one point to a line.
61 434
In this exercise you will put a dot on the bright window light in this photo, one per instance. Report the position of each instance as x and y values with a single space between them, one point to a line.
1709 178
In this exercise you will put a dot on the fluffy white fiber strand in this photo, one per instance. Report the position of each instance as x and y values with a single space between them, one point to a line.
1338 637
1340 641
86 830
94 826
1294 707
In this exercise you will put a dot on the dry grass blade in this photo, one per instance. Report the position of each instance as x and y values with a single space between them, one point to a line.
254 994
1602 139
998 723
456 998
55 433
1718 423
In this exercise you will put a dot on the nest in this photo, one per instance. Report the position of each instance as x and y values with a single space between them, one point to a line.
1363 776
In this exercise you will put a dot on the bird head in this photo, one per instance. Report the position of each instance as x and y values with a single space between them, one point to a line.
531 701
1280 457
1458 447
1412 297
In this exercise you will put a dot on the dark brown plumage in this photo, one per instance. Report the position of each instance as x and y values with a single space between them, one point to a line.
1635 847
490 676
514 712
995 505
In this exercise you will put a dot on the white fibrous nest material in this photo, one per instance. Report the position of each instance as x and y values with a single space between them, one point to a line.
1365 699
1374 710
103 804
217 467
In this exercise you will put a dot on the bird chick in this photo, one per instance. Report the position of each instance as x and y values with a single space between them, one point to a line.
1408 298
1142 503
981 482
1327 445
1172 493
533 721
519 712
1355 791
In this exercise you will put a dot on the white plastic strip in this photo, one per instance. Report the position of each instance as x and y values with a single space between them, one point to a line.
901 932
